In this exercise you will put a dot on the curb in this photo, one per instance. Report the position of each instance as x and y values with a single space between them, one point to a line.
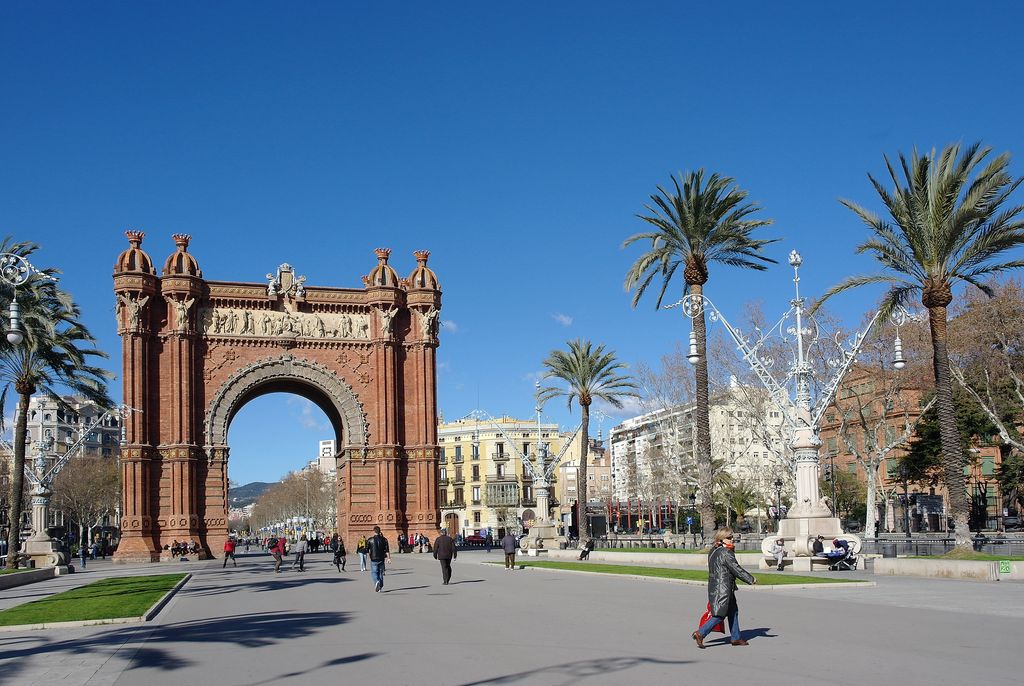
28 576
690 582
152 612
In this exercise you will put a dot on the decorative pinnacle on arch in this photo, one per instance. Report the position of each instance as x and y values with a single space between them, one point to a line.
383 254
182 240
421 256
134 237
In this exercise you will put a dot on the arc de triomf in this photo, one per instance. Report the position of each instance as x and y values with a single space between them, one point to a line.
195 351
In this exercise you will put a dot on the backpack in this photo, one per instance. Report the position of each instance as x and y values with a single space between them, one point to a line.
272 545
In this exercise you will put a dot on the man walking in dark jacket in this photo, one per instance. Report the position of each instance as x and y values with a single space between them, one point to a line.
509 545
445 552
379 553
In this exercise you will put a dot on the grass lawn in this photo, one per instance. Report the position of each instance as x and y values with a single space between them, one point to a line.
14 571
689 551
687 574
971 555
105 599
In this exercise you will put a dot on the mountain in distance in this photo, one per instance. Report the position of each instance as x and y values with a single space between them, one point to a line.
240 496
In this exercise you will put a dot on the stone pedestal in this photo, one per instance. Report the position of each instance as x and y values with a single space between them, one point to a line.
45 553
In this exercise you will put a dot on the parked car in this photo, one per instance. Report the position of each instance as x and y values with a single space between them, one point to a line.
1011 523
474 539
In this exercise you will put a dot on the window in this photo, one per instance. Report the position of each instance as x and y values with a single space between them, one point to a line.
458 473
444 473
476 451
476 472
458 452
458 496
526 448
476 493
476 516
501 470
988 465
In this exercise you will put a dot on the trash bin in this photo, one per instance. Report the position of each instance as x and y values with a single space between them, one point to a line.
888 549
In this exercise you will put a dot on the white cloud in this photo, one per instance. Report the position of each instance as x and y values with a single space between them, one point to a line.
444 366
631 407
534 377
308 419
563 319
449 325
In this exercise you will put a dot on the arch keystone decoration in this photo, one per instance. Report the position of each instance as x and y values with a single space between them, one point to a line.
194 351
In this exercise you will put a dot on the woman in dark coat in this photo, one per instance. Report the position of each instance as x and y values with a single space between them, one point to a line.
723 569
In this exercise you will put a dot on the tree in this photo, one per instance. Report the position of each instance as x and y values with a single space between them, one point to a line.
1011 480
987 344
949 222
88 489
589 373
695 226
54 355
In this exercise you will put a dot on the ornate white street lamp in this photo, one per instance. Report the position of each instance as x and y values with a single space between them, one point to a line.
810 515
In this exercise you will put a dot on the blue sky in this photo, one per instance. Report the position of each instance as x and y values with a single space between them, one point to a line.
515 142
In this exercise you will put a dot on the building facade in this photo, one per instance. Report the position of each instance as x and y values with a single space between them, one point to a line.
652 456
484 486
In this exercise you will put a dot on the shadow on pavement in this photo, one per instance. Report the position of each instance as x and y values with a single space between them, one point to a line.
348 659
581 669
275 583
252 631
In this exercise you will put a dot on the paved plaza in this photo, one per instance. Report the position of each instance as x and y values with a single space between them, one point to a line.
250 626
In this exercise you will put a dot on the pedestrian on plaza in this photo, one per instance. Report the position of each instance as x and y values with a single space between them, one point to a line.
339 552
778 551
488 542
509 544
445 552
587 547
300 553
229 552
361 552
83 553
723 570
276 548
379 553
334 542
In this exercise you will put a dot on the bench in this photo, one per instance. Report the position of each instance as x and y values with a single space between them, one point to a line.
796 564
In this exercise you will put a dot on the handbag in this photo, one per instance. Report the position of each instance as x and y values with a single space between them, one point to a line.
720 627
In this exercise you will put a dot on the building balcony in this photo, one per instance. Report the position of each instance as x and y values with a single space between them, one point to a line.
502 479
452 504
476 502
458 459
500 457
442 482
529 502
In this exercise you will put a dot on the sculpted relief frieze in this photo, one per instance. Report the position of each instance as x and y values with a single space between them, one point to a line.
239 322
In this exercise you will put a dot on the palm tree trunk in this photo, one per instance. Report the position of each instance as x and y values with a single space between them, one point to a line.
953 461
704 469
581 476
17 481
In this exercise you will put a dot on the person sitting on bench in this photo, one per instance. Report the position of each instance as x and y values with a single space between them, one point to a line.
778 551
587 547
818 547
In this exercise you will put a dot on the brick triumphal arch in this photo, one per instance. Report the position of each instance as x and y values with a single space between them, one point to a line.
195 351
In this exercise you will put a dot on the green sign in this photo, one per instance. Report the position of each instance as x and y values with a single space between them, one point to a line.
1004 567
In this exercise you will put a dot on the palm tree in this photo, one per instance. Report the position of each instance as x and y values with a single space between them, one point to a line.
698 224
590 373
53 356
949 221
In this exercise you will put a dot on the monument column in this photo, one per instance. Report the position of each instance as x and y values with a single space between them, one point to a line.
135 286
185 463
389 320
424 299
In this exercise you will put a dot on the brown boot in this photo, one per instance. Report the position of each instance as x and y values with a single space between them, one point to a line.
741 642
699 639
